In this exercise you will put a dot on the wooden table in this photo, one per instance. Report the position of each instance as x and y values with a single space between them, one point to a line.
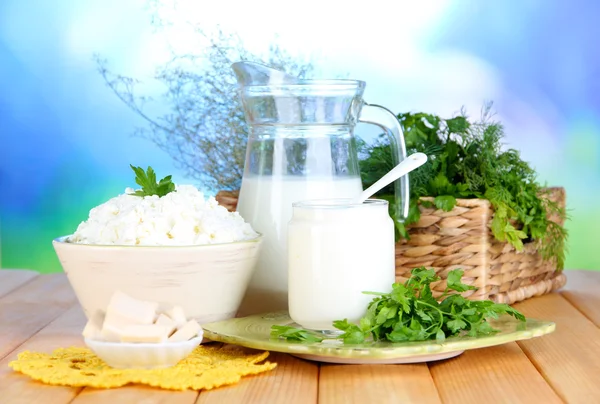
40 313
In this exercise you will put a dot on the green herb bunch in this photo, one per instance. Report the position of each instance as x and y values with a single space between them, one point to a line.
411 313
466 160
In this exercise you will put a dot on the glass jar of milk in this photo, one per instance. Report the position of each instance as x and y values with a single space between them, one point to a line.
336 251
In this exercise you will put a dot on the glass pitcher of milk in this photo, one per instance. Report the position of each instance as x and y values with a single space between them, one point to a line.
301 146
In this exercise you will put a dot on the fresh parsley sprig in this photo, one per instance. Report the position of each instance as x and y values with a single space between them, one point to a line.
294 334
147 180
411 313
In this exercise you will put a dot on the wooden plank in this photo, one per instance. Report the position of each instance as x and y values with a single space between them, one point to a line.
376 384
28 309
569 358
292 381
44 289
16 388
135 394
11 279
582 291
501 374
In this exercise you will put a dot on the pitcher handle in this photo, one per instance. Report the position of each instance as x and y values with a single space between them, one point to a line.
386 120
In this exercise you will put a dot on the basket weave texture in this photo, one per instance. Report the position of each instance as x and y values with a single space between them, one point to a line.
462 239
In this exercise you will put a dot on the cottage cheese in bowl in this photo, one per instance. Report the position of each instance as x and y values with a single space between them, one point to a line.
183 217
166 243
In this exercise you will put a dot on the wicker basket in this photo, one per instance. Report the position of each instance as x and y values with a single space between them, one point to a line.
462 238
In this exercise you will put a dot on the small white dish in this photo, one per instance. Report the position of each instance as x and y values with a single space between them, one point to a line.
132 355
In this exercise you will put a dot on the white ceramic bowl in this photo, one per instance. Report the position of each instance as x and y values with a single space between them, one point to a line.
129 355
207 281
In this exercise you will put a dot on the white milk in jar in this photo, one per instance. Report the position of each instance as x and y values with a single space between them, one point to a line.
266 203
336 251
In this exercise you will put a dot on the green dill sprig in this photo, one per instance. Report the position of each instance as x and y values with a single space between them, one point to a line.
466 160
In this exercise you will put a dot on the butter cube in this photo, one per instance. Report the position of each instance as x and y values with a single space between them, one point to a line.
93 327
187 332
113 327
110 334
133 311
165 321
176 314
144 333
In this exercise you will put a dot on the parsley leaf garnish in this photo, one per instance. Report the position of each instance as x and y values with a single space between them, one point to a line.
353 334
454 281
445 202
147 180
294 334
411 313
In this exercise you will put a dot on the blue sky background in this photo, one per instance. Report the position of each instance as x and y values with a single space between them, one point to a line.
66 140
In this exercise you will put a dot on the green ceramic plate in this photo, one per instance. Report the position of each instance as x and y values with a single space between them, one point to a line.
254 332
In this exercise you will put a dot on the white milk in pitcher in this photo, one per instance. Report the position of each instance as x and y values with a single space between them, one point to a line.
336 252
266 203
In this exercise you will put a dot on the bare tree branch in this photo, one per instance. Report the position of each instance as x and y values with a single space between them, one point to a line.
204 129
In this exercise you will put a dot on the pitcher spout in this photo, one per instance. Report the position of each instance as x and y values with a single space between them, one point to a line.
272 97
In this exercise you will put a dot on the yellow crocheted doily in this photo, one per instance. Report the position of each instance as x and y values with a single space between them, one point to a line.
206 368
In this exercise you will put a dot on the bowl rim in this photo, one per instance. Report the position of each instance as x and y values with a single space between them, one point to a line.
62 240
143 345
